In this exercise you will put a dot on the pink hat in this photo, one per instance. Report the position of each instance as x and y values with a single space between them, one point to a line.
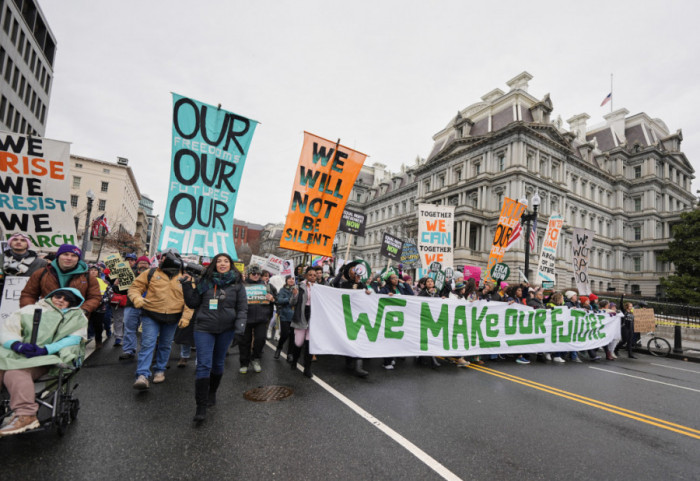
504 284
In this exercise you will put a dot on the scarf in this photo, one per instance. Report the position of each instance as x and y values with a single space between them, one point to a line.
15 264
216 279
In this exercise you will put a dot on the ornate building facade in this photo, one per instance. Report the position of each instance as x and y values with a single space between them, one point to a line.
627 180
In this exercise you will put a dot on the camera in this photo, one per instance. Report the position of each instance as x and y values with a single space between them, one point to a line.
172 259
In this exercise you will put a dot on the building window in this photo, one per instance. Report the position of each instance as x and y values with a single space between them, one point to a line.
104 187
501 163
235 233
637 171
105 171
74 201
78 166
477 168
76 181
637 233
637 264
458 174
637 204
101 204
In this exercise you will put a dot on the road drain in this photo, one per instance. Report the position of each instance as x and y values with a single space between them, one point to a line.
268 393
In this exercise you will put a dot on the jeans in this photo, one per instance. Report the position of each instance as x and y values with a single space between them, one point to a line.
185 351
257 331
211 352
132 319
154 331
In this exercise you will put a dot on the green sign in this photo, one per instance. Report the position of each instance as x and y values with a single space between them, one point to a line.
500 272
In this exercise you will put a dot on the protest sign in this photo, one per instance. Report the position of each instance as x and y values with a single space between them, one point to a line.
287 268
410 257
435 230
546 270
111 263
500 272
273 264
10 295
256 294
351 323
118 269
581 245
391 247
511 212
644 320
352 222
322 186
472 272
209 150
35 188
257 261
240 267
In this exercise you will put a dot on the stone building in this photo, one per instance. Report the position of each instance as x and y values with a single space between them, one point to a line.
627 180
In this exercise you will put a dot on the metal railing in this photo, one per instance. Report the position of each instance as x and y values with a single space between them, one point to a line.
667 312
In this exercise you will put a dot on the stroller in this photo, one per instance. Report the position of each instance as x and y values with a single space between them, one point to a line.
58 406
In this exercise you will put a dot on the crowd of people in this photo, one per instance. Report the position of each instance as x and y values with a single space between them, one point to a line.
208 313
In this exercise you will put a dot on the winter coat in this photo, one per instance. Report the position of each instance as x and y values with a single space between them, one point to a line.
55 325
401 289
25 267
231 311
164 301
426 293
258 313
45 281
299 320
285 305
536 303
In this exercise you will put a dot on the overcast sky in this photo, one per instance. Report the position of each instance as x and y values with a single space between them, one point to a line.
383 76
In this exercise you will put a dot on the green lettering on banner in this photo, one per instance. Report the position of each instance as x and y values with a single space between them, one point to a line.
526 342
540 319
477 335
526 327
460 328
492 325
435 327
353 327
511 321
393 319
578 334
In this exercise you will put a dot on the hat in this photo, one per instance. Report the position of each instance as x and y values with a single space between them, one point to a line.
583 298
130 255
94 266
593 297
20 235
504 284
406 277
459 285
570 294
254 269
69 248
144 259
70 294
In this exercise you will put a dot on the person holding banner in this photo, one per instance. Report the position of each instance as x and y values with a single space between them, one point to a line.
260 308
221 309
350 279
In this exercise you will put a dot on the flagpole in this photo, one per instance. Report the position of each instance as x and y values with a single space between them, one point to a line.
612 98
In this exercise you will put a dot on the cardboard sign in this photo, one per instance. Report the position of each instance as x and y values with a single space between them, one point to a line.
274 265
581 245
644 320
511 212
435 234
209 150
10 295
118 269
352 222
322 186
35 186
546 269
256 294
391 247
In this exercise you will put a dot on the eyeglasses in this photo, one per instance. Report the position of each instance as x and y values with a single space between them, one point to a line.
254 273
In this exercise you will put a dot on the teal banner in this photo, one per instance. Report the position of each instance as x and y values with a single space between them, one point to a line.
210 146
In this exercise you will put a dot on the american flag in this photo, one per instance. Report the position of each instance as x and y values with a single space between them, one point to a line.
607 99
101 221
514 236
533 235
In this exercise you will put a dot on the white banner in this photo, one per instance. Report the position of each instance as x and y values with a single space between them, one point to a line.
35 175
546 270
581 245
435 233
352 323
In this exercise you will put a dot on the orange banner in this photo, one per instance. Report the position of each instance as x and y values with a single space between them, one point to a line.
322 185
510 215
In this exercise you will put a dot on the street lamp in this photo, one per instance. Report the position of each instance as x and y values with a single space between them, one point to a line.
528 218
86 233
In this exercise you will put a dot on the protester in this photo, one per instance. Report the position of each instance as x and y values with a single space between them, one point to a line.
349 278
285 300
18 259
627 328
98 316
60 338
221 309
300 322
259 314
66 270
162 308
132 316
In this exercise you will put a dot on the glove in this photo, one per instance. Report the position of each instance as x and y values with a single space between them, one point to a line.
18 347
38 351
183 323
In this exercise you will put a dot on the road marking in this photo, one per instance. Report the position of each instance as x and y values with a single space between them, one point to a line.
677 428
428 460
677 368
645 379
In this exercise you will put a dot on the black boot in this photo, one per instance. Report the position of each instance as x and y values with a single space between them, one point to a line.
214 382
307 360
296 352
278 351
201 395
359 372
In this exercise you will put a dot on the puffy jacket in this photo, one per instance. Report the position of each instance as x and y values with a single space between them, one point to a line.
45 281
231 311
285 300
164 301
258 313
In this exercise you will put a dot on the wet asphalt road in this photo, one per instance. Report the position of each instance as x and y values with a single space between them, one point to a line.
476 423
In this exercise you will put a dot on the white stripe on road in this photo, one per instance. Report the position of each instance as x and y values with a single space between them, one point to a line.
645 379
677 368
405 443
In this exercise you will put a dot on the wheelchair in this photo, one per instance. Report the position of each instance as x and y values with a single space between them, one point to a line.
58 406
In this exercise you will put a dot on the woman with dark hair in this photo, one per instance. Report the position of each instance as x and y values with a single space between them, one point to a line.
221 311
285 302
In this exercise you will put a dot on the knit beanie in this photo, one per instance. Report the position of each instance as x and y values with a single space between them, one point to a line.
69 248
144 259
569 294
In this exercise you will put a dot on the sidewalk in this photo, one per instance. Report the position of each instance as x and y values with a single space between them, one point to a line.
691 347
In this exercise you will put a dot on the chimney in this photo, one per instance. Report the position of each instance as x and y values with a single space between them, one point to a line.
616 121
520 82
577 125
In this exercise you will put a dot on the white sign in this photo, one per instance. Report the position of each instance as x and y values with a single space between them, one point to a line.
10 295
274 264
435 234
287 268
257 261
351 323
581 245
546 270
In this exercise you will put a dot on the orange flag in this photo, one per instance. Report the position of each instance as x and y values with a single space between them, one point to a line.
511 212
322 185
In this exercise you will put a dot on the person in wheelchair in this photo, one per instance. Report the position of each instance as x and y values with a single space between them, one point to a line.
60 338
